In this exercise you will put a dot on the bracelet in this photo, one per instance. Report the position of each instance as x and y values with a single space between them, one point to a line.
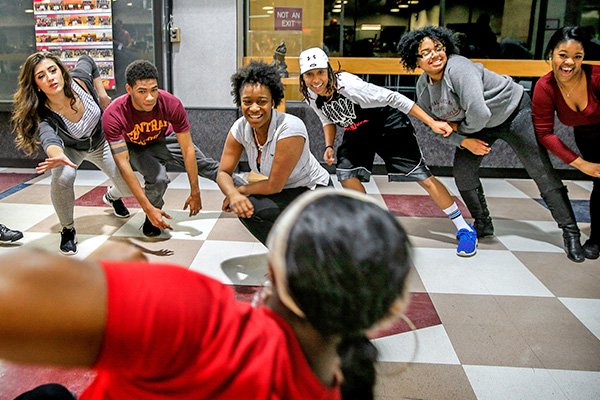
326 147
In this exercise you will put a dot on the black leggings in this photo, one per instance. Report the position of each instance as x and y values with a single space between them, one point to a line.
268 207
52 391
587 139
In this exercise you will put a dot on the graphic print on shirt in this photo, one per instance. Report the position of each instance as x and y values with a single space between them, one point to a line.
340 111
147 130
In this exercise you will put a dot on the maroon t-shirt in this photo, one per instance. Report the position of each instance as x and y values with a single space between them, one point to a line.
548 100
172 333
122 122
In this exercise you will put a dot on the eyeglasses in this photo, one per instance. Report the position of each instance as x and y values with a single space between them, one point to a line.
427 54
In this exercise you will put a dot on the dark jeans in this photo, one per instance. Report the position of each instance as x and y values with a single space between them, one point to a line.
50 391
587 139
151 161
518 132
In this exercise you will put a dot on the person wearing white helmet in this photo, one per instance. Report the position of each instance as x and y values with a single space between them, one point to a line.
375 121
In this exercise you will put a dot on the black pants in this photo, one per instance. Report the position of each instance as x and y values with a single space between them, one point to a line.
267 208
52 391
587 139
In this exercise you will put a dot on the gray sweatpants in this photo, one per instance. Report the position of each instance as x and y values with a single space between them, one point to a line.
151 161
63 180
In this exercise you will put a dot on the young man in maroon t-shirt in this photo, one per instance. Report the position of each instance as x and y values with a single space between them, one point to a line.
146 129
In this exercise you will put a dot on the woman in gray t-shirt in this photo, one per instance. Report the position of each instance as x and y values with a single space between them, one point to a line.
277 148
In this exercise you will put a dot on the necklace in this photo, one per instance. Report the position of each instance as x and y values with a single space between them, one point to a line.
564 89
258 145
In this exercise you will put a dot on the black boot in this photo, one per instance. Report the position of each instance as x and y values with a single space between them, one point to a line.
475 202
560 207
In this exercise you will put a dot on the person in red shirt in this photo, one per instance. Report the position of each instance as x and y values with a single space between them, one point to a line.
158 332
572 92
147 128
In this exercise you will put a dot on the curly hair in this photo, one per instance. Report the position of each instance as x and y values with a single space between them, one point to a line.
344 288
257 72
140 70
331 86
408 47
567 33
30 101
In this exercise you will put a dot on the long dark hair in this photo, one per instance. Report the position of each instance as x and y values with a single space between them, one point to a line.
347 261
29 101
408 47
567 33
331 86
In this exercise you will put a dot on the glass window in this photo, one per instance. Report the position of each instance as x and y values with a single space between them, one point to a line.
132 33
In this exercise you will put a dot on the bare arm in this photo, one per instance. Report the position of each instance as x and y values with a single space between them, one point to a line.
234 200
440 127
103 97
191 168
329 154
121 156
589 168
52 308
56 157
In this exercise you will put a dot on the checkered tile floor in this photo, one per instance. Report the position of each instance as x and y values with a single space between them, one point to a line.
517 321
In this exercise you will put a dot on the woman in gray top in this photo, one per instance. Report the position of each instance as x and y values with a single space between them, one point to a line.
61 112
277 148
482 106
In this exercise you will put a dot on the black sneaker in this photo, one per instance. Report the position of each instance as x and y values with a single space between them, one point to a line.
150 230
118 206
68 242
9 235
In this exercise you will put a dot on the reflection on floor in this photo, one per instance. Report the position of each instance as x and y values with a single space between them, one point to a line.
517 321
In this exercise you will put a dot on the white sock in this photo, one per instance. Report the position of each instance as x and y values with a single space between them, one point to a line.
456 217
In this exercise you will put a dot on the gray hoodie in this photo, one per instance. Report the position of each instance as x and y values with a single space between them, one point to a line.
470 94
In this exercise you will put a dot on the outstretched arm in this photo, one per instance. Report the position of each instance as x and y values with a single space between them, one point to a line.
52 309
441 127
193 201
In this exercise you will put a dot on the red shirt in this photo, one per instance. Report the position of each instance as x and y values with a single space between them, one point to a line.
175 334
121 121
547 99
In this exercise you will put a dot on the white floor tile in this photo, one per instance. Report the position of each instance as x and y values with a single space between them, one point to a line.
584 184
23 216
501 188
84 178
529 235
489 272
501 383
428 345
587 311
184 227
239 263
181 182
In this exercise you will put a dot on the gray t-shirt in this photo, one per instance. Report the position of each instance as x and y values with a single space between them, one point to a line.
470 94
307 172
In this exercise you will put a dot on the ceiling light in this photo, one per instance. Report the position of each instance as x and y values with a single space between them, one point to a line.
370 27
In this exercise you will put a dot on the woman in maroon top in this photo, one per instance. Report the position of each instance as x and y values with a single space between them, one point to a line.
572 90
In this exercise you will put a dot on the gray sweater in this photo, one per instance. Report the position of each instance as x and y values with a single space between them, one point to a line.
470 94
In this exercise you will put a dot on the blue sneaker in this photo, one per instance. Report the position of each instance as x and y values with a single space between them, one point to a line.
467 242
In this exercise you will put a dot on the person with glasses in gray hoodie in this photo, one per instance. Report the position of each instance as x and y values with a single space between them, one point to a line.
482 107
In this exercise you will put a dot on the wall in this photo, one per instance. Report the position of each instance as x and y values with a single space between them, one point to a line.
207 55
